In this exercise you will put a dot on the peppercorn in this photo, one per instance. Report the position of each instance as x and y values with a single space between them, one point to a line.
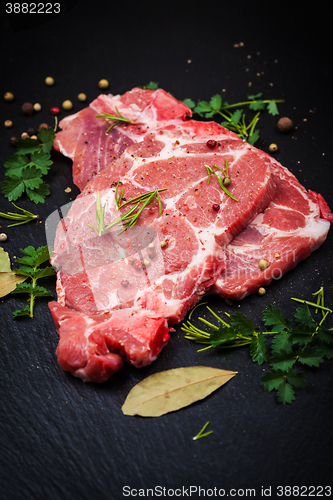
34 137
24 135
137 265
67 105
82 97
37 106
216 207
55 110
272 147
8 123
211 143
261 291
27 108
31 131
146 262
163 244
125 283
226 181
43 125
8 96
49 81
285 124
3 237
263 264
103 84
13 140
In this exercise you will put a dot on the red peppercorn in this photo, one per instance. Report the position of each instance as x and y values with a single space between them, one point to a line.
125 283
137 265
54 110
211 143
216 207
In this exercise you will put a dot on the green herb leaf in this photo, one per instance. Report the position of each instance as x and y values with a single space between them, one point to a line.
203 107
38 195
29 268
281 341
47 137
282 360
26 146
189 103
310 356
258 349
242 324
15 164
42 161
274 318
273 379
285 393
296 378
215 102
304 318
272 108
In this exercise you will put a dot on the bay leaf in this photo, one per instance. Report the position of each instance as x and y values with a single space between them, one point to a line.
8 282
4 261
8 278
173 389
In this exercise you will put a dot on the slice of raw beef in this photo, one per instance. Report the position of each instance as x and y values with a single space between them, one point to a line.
83 137
109 285
294 224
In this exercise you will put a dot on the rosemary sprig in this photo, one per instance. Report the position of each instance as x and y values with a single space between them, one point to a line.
220 181
130 218
26 216
202 433
117 119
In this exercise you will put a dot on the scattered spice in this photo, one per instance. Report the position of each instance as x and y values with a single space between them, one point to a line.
82 97
125 283
9 96
8 123
55 110
137 265
272 148
103 84
261 291
263 264
3 237
285 124
37 106
216 207
49 81
24 135
27 108
163 244
67 105
211 143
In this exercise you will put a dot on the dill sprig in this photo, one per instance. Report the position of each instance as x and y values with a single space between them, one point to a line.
131 217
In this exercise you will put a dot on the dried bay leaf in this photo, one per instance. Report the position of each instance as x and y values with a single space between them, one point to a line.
173 389
8 278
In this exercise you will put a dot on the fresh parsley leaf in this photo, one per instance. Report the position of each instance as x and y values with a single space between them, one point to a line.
272 108
242 324
151 86
203 107
38 195
27 146
42 161
273 379
236 116
257 105
189 103
274 318
30 267
222 335
296 378
258 349
282 360
304 318
47 137
253 137
15 164
281 341
285 393
310 356
215 102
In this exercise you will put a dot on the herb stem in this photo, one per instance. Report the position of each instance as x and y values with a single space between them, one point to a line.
202 432
313 304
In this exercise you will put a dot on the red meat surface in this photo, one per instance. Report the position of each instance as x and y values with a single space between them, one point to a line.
294 224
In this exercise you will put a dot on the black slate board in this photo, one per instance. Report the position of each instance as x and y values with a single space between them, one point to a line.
61 438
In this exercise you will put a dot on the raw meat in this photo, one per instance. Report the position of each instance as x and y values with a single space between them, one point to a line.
83 137
294 224
97 278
